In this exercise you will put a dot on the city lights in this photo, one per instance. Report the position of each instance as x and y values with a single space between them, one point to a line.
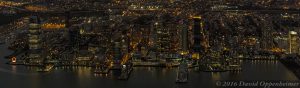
149 43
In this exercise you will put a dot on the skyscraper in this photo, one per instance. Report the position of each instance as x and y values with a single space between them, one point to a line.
34 56
117 55
198 36
163 39
293 42
184 39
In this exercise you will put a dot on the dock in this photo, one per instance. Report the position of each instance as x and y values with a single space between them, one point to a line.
125 72
45 68
182 74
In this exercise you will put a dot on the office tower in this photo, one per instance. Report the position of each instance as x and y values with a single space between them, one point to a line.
184 39
74 36
293 42
163 39
117 54
35 51
198 31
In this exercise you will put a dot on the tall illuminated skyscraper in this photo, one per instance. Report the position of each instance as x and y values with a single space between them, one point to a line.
293 42
163 38
34 56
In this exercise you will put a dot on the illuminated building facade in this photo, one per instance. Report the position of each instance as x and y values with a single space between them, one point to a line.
293 42
163 38
34 56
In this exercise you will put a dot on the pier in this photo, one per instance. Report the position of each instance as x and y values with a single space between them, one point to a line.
182 74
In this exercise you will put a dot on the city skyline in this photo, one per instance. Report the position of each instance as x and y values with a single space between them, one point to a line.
172 43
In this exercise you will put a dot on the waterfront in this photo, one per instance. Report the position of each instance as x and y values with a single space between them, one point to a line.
13 76
16 76
95 44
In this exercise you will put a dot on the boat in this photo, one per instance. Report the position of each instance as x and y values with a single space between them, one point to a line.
182 74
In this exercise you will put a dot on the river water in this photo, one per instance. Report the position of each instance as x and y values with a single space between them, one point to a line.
142 77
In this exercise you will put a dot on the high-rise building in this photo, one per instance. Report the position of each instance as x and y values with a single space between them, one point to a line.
184 39
74 36
293 42
35 51
198 35
117 54
163 38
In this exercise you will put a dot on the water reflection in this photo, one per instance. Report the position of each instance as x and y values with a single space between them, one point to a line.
14 69
83 77
101 75
235 75
215 76
84 72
